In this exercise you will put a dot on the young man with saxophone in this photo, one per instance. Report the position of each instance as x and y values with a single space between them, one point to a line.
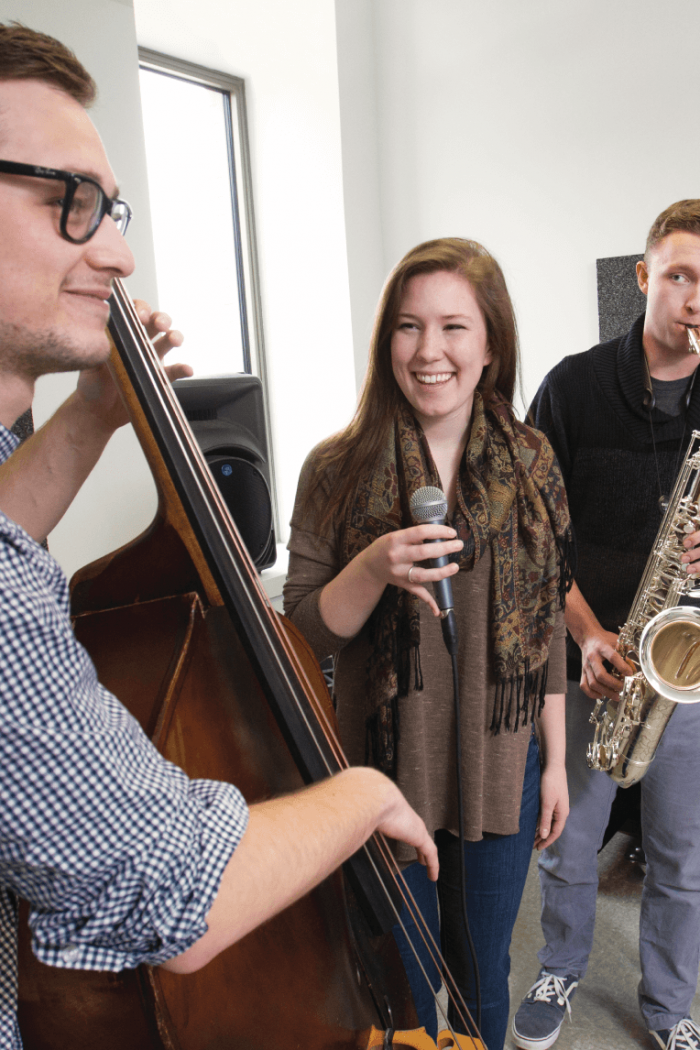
620 418
121 857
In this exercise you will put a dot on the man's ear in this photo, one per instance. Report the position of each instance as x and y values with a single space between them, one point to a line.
643 276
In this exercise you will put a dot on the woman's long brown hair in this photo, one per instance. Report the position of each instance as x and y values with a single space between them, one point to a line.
353 453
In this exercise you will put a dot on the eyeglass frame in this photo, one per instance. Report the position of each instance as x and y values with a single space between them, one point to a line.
72 180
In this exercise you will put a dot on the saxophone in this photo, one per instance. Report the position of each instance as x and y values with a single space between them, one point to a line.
660 639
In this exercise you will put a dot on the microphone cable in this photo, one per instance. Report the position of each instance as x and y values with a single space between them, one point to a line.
460 822
428 504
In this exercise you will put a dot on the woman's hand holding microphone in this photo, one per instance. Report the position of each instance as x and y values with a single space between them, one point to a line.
348 600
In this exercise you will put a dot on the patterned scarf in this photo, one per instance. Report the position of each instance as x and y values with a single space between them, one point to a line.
511 498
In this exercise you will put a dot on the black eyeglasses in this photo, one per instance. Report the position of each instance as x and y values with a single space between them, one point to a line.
84 205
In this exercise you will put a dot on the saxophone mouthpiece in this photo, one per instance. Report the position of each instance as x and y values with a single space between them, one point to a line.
693 341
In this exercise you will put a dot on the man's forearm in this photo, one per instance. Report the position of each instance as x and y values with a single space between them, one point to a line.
293 843
40 480
580 618
597 646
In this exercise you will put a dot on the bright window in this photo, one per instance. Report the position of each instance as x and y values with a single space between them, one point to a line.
202 213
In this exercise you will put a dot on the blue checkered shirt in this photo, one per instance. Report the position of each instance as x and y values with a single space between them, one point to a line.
119 854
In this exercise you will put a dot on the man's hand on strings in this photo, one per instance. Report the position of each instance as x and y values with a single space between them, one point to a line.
96 386
400 821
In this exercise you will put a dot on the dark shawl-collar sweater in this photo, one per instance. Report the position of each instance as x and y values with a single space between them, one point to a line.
593 407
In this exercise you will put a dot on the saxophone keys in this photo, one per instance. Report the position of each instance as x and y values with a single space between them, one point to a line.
595 713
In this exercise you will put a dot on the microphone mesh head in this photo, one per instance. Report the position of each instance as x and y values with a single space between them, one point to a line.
428 503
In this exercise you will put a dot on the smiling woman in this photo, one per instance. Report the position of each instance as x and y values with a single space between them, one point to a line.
439 350
436 411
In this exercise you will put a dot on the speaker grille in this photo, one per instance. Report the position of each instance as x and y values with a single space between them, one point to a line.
247 497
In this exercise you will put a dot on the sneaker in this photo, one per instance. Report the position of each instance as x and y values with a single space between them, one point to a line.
541 1014
683 1036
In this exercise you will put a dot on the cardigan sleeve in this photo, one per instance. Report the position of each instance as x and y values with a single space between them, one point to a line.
556 673
313 562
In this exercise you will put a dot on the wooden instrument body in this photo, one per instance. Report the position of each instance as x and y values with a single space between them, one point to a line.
153 619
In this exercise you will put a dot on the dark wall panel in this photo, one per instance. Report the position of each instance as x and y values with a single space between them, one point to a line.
620 301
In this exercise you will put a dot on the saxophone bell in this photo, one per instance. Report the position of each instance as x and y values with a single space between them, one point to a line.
669 654
661 638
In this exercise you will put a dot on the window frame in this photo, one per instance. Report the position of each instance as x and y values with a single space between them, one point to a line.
250 303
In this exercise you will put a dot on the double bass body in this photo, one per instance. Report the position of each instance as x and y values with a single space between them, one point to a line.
185 659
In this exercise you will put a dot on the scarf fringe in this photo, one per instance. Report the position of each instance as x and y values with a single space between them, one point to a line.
383 726
523 692
382 737
408 666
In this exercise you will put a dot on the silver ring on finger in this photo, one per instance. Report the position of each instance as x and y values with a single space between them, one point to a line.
409 573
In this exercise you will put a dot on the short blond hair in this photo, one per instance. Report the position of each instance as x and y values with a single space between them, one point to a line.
28 55
683 215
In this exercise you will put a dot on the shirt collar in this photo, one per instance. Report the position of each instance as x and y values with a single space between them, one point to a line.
8 443
619 369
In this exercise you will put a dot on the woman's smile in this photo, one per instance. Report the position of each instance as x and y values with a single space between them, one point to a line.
439 347
432 379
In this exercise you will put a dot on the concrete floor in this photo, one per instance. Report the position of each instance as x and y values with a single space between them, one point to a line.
604 1010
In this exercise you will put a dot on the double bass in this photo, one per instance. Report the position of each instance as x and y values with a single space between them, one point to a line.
180 629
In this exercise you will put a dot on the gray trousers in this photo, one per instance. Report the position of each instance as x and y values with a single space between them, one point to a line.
669 925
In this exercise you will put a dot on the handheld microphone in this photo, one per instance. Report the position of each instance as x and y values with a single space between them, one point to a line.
429 507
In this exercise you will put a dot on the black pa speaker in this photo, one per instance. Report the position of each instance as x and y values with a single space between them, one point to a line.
227 418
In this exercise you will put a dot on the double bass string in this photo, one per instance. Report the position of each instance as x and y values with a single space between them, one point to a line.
226 544
425 934
394 871
173 419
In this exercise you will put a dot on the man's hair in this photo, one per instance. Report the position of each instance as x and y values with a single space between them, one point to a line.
28 55
683 215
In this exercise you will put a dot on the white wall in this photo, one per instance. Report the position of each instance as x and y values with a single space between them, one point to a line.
118 500
359 117
286 52
554 131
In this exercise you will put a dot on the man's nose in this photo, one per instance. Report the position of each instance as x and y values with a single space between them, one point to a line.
107 249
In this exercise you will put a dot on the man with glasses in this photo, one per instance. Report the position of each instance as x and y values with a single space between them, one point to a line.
123 859
84 203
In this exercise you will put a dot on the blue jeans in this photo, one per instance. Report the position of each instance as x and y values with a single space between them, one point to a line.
669 922
496 869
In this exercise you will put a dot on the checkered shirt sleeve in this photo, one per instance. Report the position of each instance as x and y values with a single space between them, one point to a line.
119 854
